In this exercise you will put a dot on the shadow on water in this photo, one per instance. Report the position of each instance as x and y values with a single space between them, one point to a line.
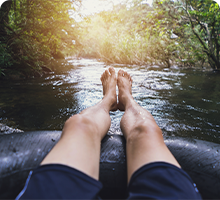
196 105
183 102
37 105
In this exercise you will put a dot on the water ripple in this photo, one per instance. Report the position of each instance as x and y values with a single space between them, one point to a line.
183 102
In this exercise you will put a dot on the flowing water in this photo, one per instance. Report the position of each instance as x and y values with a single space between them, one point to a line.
184 102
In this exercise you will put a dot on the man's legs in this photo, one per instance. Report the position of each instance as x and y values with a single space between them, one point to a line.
144 138
79 146
153 172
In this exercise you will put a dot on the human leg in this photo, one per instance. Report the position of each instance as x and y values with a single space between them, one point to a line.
71 169
153 172
144 138
79 146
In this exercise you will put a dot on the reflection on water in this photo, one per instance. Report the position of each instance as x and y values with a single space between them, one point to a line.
183 102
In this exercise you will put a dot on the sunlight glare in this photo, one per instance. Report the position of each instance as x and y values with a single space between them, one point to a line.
94 6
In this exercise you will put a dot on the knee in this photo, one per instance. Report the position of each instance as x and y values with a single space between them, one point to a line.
147 126
145 130
79 124
75 119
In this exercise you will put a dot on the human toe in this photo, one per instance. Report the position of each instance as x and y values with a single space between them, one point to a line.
120 72
128 76
106 74
112 71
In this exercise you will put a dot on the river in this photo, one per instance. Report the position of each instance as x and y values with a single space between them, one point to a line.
184 102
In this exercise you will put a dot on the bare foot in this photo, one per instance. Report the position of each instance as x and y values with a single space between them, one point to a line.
124 82
109 82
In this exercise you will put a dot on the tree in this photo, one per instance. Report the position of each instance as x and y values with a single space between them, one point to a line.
35 33
197 23
119 40
4 11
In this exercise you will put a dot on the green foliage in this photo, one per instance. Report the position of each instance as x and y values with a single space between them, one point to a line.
135 33
5 59
197 24
127 34
35 33
113 35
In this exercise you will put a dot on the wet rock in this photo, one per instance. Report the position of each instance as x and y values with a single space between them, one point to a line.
8 130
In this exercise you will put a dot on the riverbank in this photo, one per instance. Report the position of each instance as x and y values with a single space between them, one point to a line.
17 73
146 61
58 65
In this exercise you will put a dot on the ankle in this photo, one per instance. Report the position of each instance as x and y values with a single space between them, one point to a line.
110 102
128 101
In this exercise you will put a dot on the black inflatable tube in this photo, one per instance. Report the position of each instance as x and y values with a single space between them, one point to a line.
22 152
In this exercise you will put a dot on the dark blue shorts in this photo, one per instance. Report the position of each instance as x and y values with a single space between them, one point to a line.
161 180
153 181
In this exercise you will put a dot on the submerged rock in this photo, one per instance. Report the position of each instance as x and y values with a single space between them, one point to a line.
8 130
